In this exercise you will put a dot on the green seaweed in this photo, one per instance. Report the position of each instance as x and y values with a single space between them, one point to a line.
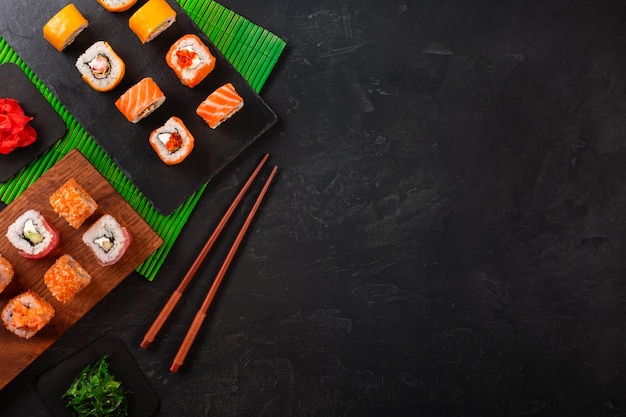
96 393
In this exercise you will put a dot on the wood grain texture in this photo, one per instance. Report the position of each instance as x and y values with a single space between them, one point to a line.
19 353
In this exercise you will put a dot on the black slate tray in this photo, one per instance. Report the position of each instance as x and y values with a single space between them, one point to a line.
46 121
142 402
166 187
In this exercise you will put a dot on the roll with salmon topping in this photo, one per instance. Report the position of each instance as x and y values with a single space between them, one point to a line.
101 67
220 105
172 142
140 100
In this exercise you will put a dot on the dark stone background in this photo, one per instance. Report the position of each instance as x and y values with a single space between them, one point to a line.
445 238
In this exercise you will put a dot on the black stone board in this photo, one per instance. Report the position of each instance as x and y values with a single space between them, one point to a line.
166 187
46 121
142 401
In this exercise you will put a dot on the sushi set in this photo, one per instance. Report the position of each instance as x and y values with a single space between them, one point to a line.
66 244
148 86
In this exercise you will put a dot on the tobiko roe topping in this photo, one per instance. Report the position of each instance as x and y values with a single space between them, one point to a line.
15 131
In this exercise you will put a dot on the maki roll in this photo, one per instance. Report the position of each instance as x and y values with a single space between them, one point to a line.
220 105
65 278
172 142
108 240
26 314
190 59
116 6
140 100
64 27
151 19
72 202
6 273
101 67
32 235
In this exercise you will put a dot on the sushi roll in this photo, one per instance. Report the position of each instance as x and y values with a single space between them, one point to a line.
151 19
6 273
64 27
65 278
172 142
101 67
107 239
190 59
116 6
220 105
140 100
73 203
26 314
32 235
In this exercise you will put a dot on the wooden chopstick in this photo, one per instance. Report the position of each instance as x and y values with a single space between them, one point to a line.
178 293
196 324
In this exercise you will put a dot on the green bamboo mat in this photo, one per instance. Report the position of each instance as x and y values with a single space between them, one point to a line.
252 50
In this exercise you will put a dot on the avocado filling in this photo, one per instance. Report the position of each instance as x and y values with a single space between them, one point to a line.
31 233
105 242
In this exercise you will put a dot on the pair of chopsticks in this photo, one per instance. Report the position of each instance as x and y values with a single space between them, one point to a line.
196 324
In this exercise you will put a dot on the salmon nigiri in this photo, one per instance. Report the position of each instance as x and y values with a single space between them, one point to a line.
140 100
220 105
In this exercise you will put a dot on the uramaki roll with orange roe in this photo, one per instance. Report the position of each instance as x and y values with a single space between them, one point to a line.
73 203
65 278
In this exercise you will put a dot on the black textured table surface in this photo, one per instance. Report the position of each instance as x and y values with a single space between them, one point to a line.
445 237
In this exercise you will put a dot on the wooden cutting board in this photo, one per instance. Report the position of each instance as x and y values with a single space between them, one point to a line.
18 353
